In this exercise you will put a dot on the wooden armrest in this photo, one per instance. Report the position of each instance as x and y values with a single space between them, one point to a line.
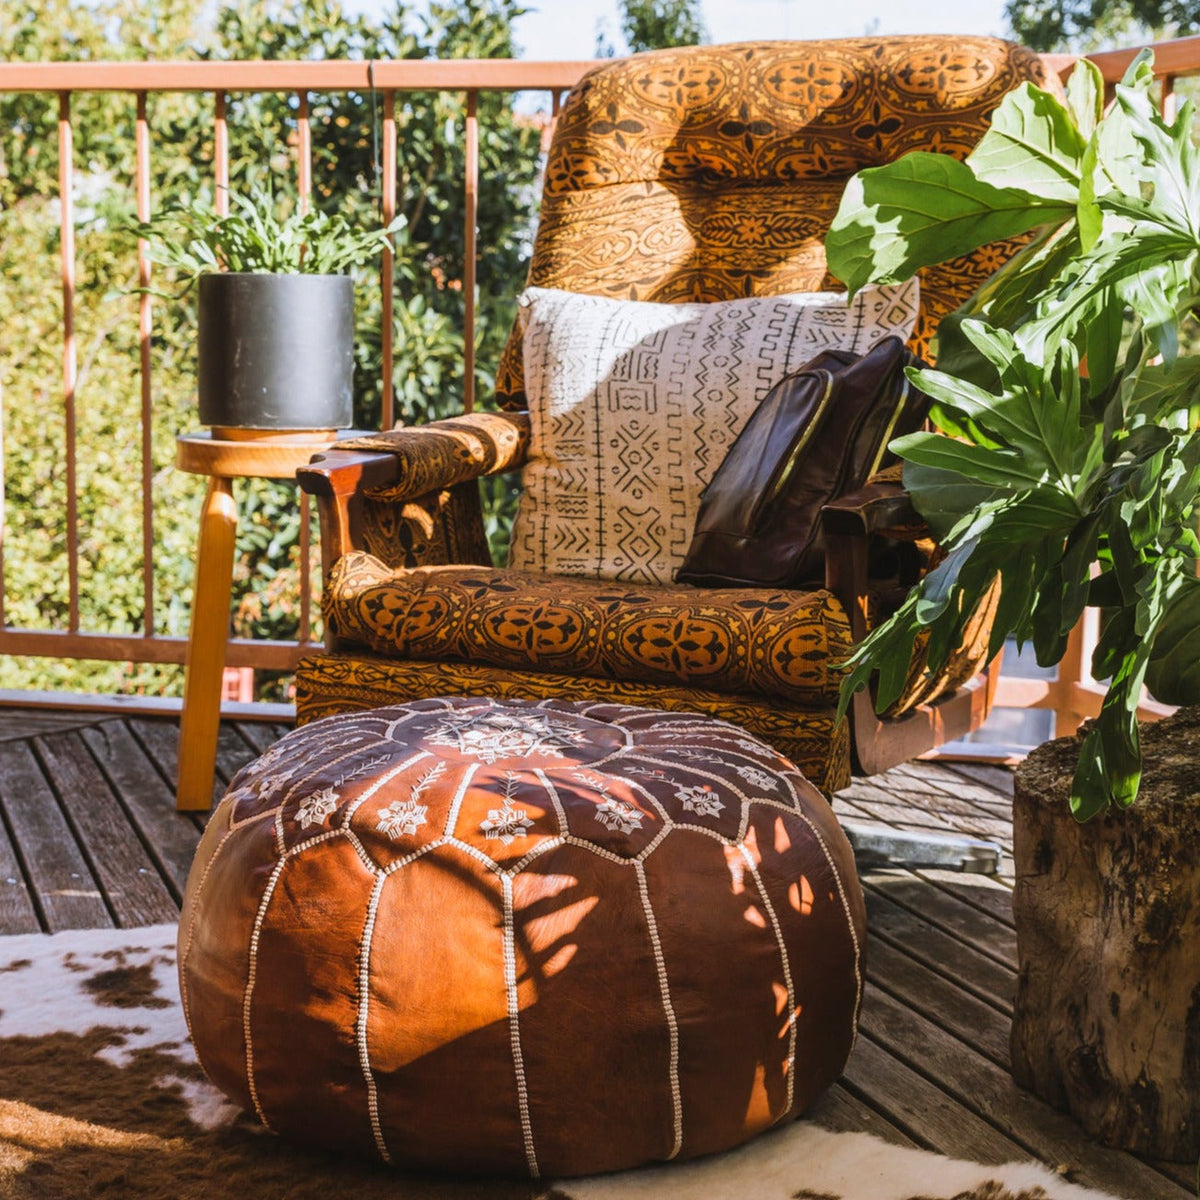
344 472
846 528
874 508
339 479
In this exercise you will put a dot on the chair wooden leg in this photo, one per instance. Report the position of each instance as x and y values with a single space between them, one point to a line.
201 719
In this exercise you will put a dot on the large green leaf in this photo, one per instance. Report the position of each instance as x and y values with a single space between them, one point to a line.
1085 96
1169 158
1007 299
923 209
1113 263
1164 391
1032 144
1000 468
1173 674
942 497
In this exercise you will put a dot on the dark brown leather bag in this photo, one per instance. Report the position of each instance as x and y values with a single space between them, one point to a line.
819 433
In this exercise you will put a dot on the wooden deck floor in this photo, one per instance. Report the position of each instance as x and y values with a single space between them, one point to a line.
89 837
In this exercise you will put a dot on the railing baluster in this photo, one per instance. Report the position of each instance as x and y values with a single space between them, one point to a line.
304 151
469 240
220 155
145 330
388 270
70 368
1169 104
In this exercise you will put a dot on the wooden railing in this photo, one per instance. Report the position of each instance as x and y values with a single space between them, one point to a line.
1073 695
385 81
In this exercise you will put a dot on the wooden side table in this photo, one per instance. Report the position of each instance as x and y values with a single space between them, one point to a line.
223 455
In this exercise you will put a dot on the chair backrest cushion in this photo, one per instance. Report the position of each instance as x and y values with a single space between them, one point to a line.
710 173
633 406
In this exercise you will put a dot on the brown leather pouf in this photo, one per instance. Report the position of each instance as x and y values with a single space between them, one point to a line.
522 939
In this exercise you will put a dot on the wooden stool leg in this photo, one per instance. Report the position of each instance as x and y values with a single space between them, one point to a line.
201 719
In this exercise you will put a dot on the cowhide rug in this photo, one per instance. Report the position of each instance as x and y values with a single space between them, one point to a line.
100 1096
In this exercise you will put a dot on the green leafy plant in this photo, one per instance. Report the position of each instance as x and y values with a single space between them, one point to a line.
1065 460
257 236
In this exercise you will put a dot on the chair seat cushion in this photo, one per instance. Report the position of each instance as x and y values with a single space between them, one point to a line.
739 640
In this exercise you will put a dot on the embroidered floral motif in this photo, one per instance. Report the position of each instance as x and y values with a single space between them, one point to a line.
402 817
700 800
757 777
696 755
749 746
505 824
276 781
317 808
616 814
491 735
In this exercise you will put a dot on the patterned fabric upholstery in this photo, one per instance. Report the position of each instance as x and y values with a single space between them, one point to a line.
710 173
349 682
739 640
443 453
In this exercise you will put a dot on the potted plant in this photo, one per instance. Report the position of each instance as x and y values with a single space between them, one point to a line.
275 330
1064 463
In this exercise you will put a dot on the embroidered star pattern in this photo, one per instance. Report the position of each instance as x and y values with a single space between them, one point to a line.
616 814
700 800
505 824
317 808
402 818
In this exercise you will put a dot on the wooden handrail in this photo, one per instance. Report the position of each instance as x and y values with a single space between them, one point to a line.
1178 57
417 74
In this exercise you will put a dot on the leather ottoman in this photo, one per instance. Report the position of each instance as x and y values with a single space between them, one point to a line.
522 939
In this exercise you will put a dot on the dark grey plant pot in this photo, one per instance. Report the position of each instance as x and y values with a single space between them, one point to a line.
276 351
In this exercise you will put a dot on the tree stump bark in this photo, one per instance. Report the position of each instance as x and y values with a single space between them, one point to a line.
1106 1022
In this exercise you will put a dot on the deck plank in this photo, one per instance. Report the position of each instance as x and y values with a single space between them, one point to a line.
135 891
990 981
18 914
981 1026
170 837
989 1091
64 889
261 735
921 1108
843 1112
961 920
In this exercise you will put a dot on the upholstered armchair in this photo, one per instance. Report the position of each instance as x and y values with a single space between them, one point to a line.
679 176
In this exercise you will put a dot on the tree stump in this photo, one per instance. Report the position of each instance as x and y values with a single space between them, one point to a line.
1106 1022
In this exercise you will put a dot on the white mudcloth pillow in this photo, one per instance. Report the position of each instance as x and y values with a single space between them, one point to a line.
634 406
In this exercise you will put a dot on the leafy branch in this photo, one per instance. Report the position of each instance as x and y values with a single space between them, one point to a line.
257 237
1065 462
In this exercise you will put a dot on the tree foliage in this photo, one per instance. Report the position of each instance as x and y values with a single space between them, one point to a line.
429 303
1087 24
657 25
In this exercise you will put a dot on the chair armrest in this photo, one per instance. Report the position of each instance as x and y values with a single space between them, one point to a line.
877 507
434 457
847 524
339 479
338 472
